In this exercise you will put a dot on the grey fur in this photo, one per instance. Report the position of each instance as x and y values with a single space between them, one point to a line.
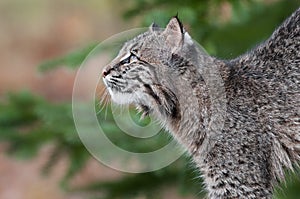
259 137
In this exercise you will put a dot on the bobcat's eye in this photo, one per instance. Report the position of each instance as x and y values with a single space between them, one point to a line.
131 58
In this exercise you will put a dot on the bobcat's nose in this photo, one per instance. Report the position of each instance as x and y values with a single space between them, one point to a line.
107 70
105 73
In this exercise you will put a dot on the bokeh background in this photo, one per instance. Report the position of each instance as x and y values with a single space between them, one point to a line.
42 44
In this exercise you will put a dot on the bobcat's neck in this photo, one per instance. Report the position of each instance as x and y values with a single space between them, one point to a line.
200 92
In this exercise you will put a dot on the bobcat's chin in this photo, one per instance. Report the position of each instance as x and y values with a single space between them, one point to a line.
121 98
129 98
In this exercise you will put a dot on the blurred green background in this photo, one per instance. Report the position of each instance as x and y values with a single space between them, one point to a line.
43 43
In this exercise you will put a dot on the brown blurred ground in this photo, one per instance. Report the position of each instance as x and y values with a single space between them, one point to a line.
32 31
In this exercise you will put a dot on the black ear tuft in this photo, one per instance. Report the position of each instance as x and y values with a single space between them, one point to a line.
154 27
179 22
174 34
175 25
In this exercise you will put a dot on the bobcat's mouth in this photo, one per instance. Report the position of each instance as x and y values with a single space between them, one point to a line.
120 97
116 93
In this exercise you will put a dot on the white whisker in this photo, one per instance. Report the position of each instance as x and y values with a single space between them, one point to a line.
104 100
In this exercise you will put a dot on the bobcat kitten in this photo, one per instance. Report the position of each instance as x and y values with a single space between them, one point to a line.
161 72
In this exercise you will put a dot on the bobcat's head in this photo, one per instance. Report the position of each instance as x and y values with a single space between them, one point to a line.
144 71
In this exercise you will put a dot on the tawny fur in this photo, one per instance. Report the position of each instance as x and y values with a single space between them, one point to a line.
243 152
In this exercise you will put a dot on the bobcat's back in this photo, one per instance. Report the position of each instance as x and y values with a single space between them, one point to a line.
261 136
268 89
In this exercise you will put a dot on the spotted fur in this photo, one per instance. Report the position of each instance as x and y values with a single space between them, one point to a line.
163 73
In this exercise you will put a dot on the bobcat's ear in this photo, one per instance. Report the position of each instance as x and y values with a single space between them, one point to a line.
174 33
154 27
